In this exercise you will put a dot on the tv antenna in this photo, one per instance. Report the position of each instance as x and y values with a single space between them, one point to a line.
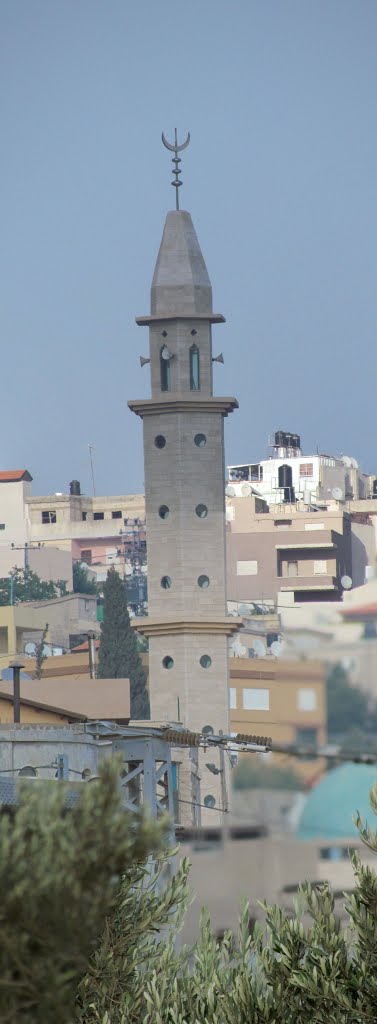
91 449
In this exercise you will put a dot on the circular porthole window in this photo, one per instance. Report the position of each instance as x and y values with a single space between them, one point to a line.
203 582
201 511
205 661
200 440
168 661
160 441
164 511
209 800
166 582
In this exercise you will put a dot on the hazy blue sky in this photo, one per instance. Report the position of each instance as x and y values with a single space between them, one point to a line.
280 179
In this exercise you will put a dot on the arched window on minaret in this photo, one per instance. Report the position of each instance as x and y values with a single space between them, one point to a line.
194 368
165 370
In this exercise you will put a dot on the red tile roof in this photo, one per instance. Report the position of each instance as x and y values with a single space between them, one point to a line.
85 646
361 611
8 476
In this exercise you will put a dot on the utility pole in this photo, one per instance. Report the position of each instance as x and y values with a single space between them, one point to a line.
224 793
16 666
92 654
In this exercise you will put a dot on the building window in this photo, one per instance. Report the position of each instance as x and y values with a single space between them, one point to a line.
163 511
306 469
205 661
86 556
320 567
48 516
160 441
116 515
232 698
247 568
282 524
201 511
98 515
200 440
194 368
306 700
306 737
292 568
84 516
168 661
2 526
209 800
165 369
255 699
166 582
203 582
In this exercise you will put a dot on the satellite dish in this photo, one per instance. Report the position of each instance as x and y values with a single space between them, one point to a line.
165 354
28 771
346 582
230 491
276 648
207 730
259 648
246 490
337 493
239 648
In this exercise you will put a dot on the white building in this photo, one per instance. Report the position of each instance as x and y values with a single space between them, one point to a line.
289 476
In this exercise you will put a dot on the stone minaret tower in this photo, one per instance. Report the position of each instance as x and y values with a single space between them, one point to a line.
183 421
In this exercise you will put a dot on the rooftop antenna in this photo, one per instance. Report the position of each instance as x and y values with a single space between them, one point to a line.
91 449
176 160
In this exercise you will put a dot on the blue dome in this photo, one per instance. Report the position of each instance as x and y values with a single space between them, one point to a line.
329 808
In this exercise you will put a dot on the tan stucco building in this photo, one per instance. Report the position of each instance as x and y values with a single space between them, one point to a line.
286 548
282 699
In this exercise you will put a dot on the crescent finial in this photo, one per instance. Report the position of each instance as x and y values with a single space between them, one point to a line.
175 148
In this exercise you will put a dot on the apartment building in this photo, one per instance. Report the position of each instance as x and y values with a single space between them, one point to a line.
290 476
284 699
306 552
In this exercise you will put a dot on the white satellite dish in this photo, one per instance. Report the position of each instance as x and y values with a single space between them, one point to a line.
276 648
346 582
259 648
230 491
165 354
207 730
337 493
246 490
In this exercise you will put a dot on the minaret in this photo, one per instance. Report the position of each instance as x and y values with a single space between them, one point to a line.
183 421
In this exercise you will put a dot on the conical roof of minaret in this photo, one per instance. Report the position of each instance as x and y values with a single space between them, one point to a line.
181 285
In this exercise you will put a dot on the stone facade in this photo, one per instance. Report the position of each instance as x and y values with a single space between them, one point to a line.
184 493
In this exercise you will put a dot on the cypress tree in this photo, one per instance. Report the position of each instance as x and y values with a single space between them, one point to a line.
118 654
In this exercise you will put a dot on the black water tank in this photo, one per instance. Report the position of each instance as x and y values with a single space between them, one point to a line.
279 439
296 441
289 440
74 487
285 482
375 488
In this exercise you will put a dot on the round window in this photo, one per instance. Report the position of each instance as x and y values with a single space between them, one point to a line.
205 661
166 582
200 440
160 441
163 511
209 800
203 582
168 661
201 511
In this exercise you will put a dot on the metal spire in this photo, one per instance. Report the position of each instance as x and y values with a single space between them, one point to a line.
176 160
